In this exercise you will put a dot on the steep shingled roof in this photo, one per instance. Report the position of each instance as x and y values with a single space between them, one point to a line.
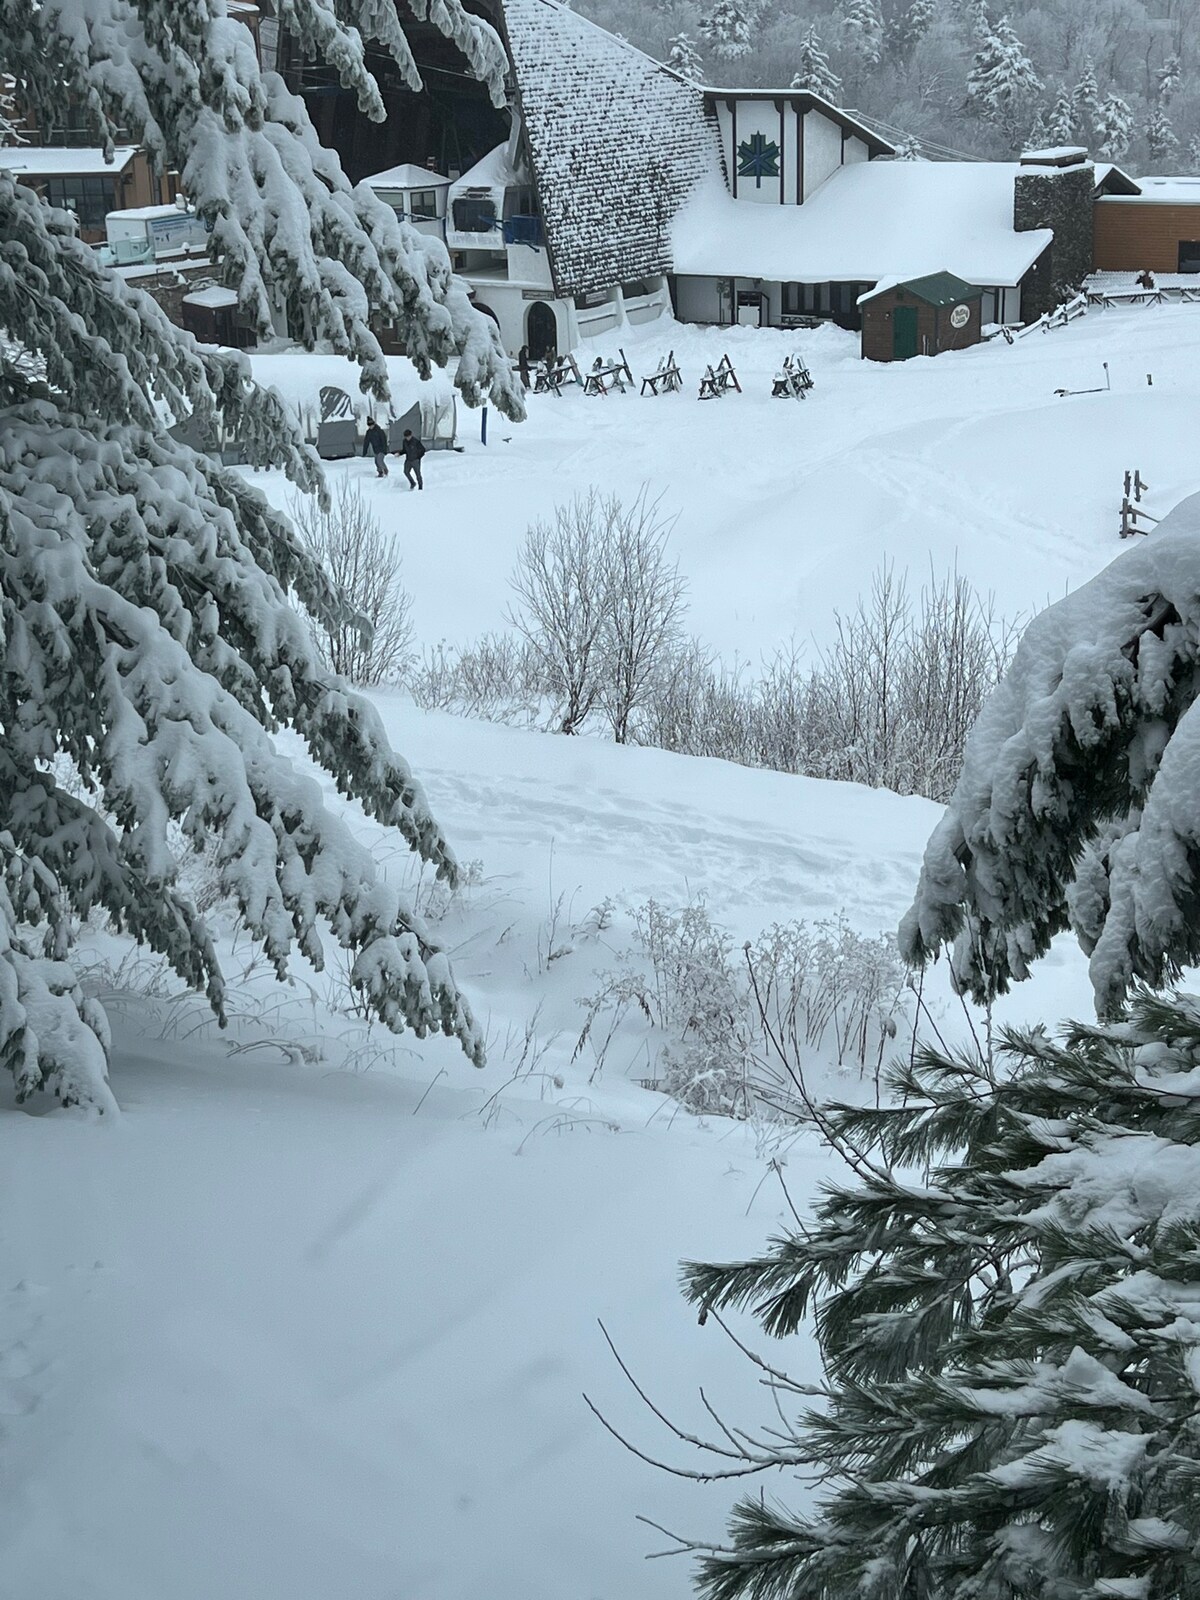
617 142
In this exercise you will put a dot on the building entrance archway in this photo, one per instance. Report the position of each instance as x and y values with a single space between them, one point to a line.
541 331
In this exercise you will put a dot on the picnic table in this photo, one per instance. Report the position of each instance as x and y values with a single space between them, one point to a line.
605 376
666 378
792 381
553 375
719 380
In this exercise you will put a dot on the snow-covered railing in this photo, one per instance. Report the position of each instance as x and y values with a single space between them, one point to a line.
1058 318
1169 294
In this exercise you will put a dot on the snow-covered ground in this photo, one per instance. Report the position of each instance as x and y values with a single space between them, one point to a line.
787 508
315 1317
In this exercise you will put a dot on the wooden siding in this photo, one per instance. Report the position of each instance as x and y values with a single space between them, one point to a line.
1132 235
934 332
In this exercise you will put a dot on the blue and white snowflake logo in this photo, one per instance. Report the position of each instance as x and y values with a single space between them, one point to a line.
758 158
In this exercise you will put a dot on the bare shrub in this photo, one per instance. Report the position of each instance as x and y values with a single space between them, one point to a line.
500 678
643 606
600 604
559 581
890 704
712 1021
373 644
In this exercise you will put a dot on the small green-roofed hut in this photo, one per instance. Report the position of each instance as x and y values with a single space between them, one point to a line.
920 317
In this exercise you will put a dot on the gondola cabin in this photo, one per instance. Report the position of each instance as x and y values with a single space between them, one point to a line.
920 317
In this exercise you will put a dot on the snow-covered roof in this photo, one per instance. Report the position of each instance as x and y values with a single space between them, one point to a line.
1059 155
1180 191
213 296
149 213
492 171
407 176
869 221
617 142
23 161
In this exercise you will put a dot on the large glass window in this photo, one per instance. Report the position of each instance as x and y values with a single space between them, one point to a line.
801 299
91 199
423 203
472 215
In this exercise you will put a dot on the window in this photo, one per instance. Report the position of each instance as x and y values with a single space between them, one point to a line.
91 199
637 288
801 299
1189 255
474 215
423 203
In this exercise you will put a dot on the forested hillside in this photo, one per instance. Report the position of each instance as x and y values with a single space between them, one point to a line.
957 75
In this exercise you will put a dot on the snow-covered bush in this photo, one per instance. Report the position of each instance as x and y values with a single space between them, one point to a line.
145 628
1005 1294
373 642
729 1030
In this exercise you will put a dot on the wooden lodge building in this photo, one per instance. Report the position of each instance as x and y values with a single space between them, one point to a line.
607 190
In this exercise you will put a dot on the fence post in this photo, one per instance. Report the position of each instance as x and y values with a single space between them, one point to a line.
483 426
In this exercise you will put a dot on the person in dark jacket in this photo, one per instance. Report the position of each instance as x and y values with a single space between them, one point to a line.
375 444
412 450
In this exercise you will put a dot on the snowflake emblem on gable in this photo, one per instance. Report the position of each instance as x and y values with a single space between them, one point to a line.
758 158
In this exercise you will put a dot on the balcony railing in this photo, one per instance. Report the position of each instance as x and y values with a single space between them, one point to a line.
524 230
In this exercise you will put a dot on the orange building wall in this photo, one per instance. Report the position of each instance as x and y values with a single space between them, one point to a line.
1132 235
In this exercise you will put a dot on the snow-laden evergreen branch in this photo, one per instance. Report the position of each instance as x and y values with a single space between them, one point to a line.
151 603
1077 805
1011 1339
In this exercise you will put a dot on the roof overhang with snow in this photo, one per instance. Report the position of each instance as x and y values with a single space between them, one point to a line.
803 101
407 176
868 222
1160 192
26 162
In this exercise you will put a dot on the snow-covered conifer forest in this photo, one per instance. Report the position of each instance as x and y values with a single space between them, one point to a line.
980 78
757 833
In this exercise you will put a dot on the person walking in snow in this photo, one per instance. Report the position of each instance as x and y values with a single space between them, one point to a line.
412 450
375 444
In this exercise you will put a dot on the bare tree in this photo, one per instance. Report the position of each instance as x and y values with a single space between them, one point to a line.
644 605
373 642
560 582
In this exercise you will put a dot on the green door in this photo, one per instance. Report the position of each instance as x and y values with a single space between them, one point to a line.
904 332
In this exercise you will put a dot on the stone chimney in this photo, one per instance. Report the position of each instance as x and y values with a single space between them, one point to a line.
1055 189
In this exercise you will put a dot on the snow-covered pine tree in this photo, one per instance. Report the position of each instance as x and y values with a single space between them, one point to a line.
1002 81
905 28
1161 140
146 637
1061 119
1193 153
909 148
684 58
813 71
1168 77
1085 97
729 26
862 30
1077 805
1114 127
1008 1305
